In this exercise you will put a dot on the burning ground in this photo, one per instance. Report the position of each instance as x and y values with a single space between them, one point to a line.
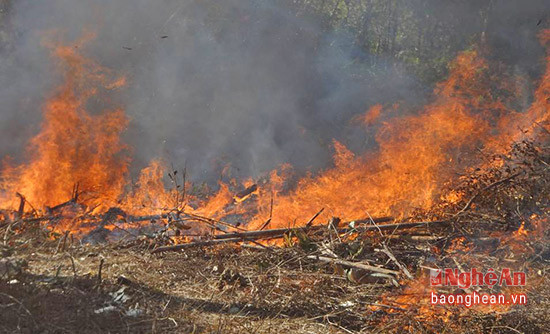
462 182
54 283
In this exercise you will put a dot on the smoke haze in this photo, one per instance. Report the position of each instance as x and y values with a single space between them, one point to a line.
240 82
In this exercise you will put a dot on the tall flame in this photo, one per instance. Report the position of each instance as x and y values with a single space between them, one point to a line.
74 146
415 156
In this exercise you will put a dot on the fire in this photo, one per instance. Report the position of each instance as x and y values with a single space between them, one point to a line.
416 155
537 118
75 146
521 232
414 297
371 116
518 240
149 193
216 204
78 160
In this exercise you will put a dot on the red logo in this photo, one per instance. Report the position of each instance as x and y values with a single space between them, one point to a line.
436 277
475 277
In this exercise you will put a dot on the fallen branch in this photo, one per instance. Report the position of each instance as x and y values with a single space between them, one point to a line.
369 221
197 244
99 279
212 221
272 234
387 251
40 219
185 216
193 244
52 209
354 265
259 234
416 237
144 218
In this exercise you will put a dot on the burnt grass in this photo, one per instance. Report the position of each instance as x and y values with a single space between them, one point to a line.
53 287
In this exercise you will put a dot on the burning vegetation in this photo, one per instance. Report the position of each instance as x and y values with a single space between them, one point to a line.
462 182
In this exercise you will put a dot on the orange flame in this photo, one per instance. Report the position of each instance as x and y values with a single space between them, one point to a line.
74 146
416 154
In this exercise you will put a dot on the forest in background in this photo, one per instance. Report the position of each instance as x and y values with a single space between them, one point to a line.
425 35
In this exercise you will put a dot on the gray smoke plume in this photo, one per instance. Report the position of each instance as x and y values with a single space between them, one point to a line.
240 82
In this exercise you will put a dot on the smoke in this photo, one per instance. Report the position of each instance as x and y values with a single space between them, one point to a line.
210 83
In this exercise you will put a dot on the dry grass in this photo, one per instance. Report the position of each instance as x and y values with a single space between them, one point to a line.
222 290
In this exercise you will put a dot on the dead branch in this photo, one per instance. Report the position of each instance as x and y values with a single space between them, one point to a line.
259 234
197 244
354 265
310 222
265 224
415 237
61 206
243 195
369 221
404 269
99 279
149 217
193 244
21 209
212 221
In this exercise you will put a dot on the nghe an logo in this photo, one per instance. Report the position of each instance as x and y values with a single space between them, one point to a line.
464 280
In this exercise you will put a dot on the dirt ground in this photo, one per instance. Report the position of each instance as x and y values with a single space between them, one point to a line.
215 290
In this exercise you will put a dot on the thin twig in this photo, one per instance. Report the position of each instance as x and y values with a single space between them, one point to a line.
310 222
20 304
99 271
387 251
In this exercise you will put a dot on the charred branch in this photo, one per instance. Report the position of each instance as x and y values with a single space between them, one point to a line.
243 195
199 244
22 201
310 222
259 234
357 265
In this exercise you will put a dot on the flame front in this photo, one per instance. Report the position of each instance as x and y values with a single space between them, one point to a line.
416 154
74 146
